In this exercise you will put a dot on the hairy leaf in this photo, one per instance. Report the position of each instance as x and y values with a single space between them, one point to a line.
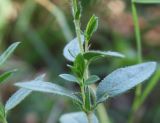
91 55
77 117
47 87
8 52
79 66
76 9
91 27
69 77
92 79
124 79
72 49
20 95
147 1
16 98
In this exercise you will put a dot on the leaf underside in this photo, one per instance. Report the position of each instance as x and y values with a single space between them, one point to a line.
47 87
16 98
77 117
124 79
94 54
72 49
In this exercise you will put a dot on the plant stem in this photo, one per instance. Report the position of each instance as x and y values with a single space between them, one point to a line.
89 117
103 116
83 95
78 33
139 54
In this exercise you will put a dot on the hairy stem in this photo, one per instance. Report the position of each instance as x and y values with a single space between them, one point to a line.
83 95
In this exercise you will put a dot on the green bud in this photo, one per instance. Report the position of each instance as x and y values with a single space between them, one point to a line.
91 27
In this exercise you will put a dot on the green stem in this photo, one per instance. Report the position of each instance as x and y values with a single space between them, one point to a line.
89 117
103 116
78 33
139 54
83 95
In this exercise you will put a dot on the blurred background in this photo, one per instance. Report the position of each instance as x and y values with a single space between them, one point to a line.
44 27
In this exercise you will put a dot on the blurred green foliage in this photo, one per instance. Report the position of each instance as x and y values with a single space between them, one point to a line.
44 27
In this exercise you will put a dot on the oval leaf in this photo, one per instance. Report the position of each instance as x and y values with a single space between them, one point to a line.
78 117
124 79
92 79
91 55
72 49
47 87
8 52
69 77
91 27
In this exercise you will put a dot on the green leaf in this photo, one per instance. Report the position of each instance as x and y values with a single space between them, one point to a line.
92 55
69 77
77 117
79 66
147 1
17 98
88 99
92 79
6 75
47 87
76 9
91 27
8 52
20 95
2 113
72 49
124 79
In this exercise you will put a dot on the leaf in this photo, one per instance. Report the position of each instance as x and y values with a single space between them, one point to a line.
92 79
147 1
88 101
76 9
2 113
19 96
79 66
6 75
91 27
91 55
72 49
69 77
124 79
16 98
47 87
77 117
8 52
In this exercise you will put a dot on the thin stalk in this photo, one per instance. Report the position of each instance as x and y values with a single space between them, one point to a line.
137 32
139 54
